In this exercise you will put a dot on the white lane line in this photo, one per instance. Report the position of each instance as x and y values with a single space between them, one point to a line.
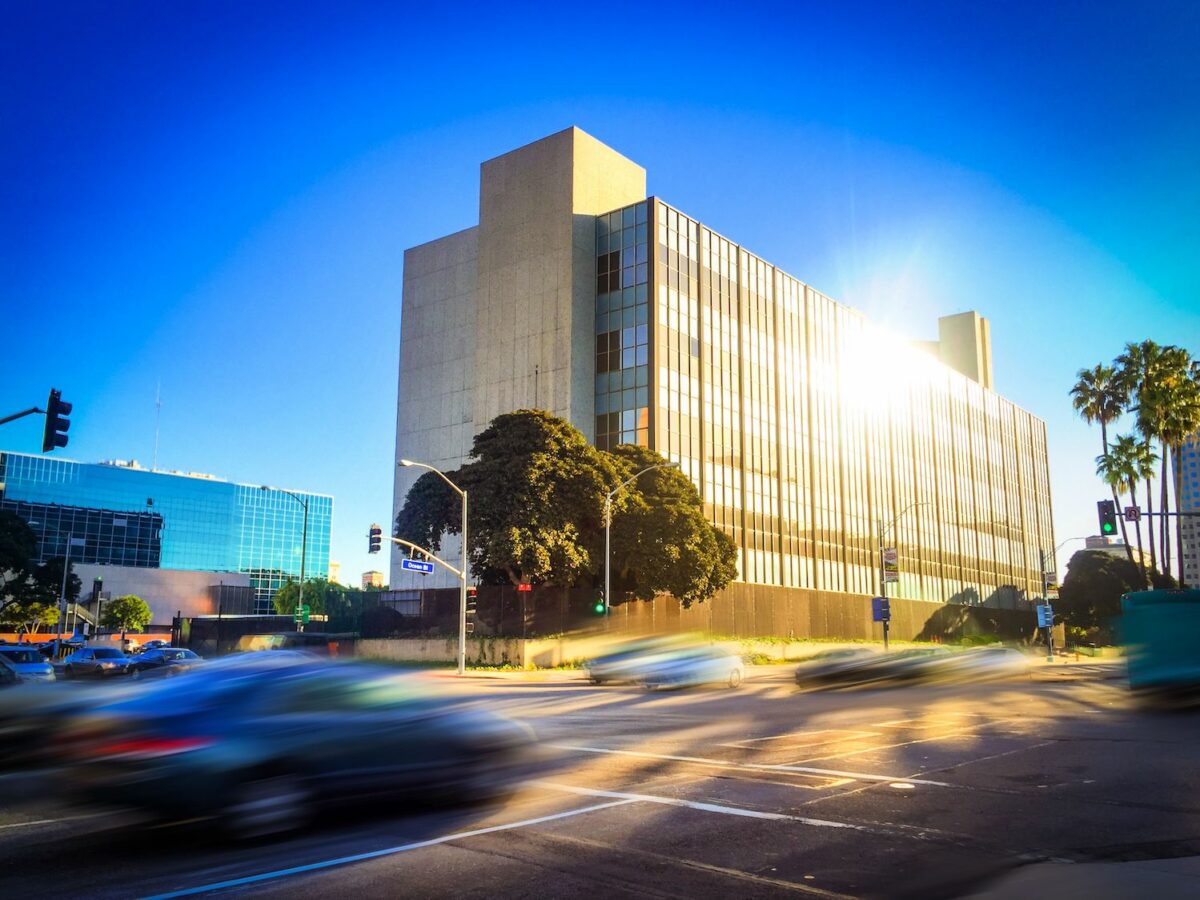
758 767
375 854
51 821
695 804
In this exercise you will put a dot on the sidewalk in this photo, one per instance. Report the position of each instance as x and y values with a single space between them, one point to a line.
1162 879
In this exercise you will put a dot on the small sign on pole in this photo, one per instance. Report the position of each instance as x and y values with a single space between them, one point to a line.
891 566
881 609
1050 585
1133 514
1045 615
415 565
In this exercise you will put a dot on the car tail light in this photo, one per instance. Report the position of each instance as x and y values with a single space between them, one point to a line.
148 748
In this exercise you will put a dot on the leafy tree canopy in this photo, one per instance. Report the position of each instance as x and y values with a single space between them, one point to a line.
126 613
1090 596
661 540
536 489
323 598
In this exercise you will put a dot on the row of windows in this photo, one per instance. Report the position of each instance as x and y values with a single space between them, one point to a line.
803 455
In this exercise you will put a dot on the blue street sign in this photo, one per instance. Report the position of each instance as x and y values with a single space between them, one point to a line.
1045 615
415 565
881 609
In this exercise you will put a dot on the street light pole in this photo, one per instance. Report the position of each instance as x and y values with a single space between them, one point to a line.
303 552
63 594
462 598
608 524
883 535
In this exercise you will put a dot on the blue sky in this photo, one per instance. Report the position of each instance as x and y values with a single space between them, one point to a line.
217 197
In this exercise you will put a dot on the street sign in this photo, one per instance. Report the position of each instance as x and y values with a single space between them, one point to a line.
302 613
1050 585
1133 514
891 565
1045 615
415 565
881 609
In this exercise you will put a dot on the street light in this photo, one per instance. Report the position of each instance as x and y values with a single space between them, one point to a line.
462 576
883 535
608 522
303 551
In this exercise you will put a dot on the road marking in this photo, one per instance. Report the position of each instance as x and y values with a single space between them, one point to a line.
797 738
760 767
51 821
695 804
375 854
696 864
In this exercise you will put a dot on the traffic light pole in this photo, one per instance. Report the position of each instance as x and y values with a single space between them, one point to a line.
29 412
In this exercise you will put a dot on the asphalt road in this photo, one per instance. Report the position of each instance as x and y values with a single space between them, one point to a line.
925 791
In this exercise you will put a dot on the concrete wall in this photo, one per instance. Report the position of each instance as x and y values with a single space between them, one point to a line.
166 591
965 345
486 307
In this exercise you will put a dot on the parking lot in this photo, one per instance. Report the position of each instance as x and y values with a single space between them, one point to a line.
765 790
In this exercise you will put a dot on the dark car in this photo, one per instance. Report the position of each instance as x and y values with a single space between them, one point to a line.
163 662
155 645
260 741
100 662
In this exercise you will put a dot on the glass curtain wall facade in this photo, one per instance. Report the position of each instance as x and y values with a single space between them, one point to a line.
813 436
134 517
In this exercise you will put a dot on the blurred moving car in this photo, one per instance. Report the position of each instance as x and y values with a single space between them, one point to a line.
261 741
828 663
100 662
897 667
165 661
154 645
28 664
693 666
624 665
980 664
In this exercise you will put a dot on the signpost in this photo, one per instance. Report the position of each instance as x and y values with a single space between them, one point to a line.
415 565
881 611
302 614
1133 514
1045 619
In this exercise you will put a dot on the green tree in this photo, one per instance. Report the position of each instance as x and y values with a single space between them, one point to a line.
661 540
536 489
1090 595
322 597
32 597
126 613
1137 372
1137 463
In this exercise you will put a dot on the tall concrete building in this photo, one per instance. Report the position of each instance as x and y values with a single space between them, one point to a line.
1187 466
812 436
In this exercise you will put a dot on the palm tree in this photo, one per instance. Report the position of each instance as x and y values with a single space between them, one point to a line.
1115 469
1100 396
1142 459
1180 419
1137 375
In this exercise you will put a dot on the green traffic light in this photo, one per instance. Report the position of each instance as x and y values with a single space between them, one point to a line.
599 607
1108 528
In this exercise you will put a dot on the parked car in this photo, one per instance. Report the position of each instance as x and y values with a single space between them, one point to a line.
155 645
100 662
27 663
261 741
163 662
693 666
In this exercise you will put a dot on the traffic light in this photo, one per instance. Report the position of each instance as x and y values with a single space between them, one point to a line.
472 600
374 539
1107 511
598 605
55 433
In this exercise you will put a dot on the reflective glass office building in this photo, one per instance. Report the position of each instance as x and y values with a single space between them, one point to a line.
120 514
813 437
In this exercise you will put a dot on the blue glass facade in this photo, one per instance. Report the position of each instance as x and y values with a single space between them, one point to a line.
623 328
133 516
